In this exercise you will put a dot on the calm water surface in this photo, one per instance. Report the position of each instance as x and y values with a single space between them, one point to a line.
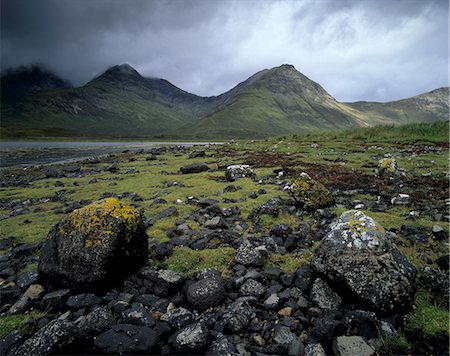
29 153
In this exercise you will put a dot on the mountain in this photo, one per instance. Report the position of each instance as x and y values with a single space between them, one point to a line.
34 78
122 103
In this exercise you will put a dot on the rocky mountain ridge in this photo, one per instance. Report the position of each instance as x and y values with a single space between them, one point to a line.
122 103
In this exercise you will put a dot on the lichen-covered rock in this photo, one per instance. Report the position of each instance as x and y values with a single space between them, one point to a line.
95 246
352 345
238 314
358 255
387 165
236 171
323 296
208 292
194 337
247 254
311 194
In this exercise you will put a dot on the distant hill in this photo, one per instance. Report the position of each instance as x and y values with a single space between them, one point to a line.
122 103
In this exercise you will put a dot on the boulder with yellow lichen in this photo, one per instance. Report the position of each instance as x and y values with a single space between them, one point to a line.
95 246
359 257
311 194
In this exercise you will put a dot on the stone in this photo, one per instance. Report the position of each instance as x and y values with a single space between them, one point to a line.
281 230
55 337
94 323
237 171
95 246
352 345
137 315
33 292
324 329
323 296
296 348
238 315
194 168
222 346
400 199
247 255
216 222
127 339
273 301
283 335
192 338
208 292
197 154
359 256
311 194
252 288
55 300
26 279
387 166
439 233
83 300
286 311
178 318
314 350
443 262
170 211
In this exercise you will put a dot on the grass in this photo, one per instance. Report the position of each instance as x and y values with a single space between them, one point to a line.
187 261
16 322
427 319
288 263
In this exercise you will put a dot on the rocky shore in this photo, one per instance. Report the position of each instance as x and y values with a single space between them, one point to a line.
225 250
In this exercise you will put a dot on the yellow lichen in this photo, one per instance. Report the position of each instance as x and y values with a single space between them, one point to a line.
312 193
387 164
96 221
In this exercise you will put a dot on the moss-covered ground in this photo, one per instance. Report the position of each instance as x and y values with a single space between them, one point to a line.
345 164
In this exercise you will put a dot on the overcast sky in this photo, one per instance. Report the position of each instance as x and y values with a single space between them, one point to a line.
356 49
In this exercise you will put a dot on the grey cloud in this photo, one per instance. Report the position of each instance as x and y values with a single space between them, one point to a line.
356 49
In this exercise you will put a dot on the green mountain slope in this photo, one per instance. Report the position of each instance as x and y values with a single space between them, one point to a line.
425 107
119 103
122 103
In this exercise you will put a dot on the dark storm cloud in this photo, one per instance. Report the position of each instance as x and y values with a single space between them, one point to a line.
356 49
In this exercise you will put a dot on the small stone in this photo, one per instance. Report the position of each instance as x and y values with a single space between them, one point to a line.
259 340
252 288
283 335
286 311
352 345
247 255
273 301
324 297
34 292
314 350
192 338
83 300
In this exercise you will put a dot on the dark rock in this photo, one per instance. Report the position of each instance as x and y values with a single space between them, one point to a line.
247 255
55 300
324 297
209 291
126 339
443 262
439 233
283 335
6 242
137 315
178 318
252 288
197 154
95 246
26 279
281 230
83 300
194 168
192 338
358 256
325 329
314 350
216 222
272 272
271 207
71 169
222 346
94 323
296 348
56 337
170 211
238 314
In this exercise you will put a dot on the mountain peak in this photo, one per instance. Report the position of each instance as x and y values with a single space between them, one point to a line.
26 79
121 72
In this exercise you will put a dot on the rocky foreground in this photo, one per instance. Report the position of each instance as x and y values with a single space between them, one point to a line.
103 286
